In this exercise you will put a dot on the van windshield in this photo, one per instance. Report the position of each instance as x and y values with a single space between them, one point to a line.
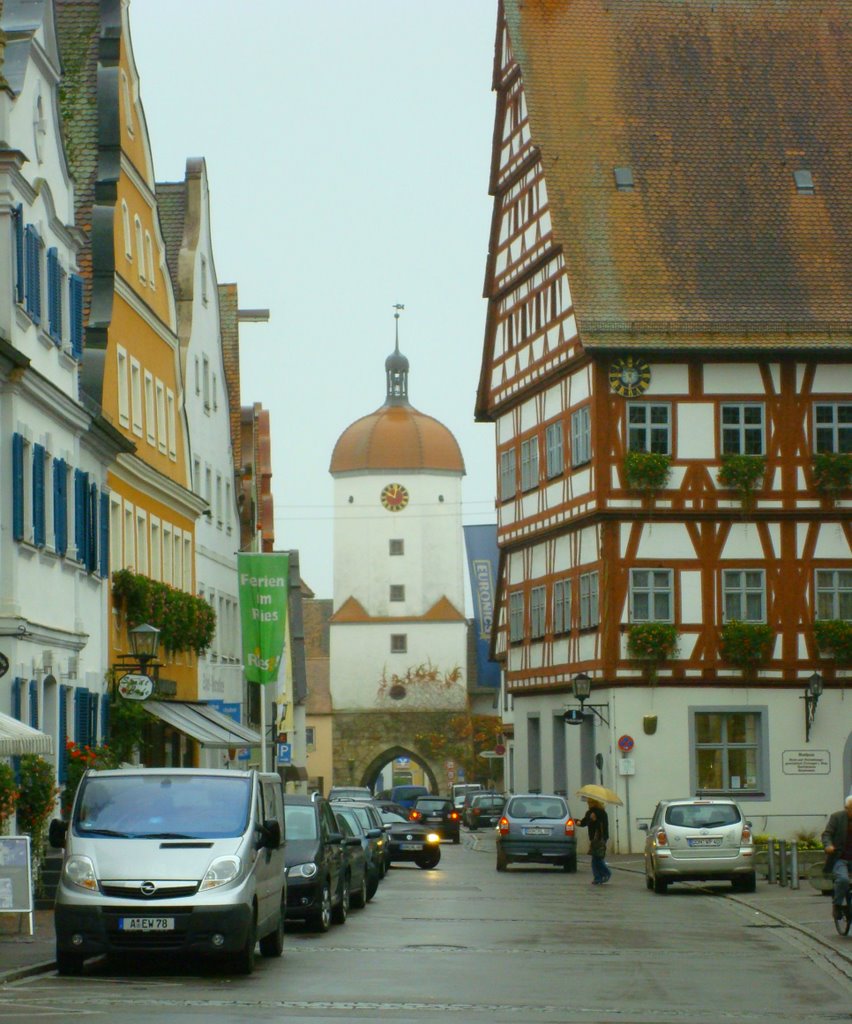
158 806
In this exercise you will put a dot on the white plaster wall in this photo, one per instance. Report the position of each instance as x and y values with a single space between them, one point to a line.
732 379
832 379
696 438
668 379
430 528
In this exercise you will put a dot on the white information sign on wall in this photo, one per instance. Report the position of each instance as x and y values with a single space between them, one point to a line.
806 762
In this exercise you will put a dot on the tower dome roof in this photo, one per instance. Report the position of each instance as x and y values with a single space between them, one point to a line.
396 437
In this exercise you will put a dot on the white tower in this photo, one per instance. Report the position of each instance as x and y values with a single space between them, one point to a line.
398 637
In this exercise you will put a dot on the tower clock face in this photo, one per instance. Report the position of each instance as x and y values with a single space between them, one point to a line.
629 376
394 497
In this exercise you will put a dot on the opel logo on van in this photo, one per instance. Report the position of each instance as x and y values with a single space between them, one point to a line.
148 888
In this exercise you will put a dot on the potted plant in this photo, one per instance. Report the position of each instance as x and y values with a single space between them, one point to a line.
652 643
746 645
8 795
832 472
647 471
743 474
834 638
186 622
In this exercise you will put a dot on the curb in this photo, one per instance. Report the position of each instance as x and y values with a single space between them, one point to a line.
17 973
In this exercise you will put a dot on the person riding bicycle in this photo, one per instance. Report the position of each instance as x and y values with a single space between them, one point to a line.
837 842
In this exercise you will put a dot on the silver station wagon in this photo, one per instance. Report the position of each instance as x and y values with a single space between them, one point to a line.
698 839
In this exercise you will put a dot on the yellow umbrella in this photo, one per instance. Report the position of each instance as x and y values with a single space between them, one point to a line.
601 793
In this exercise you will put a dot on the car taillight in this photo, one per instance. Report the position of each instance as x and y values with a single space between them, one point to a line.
569 827
454 816
746 839
414 815
474 810
504 826
661 838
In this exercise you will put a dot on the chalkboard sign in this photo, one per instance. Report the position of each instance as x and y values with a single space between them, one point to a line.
16 888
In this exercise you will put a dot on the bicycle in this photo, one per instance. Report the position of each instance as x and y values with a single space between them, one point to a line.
843 921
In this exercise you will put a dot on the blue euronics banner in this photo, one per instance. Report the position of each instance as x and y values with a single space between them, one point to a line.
482 560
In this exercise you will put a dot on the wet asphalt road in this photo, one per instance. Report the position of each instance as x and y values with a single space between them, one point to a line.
466 944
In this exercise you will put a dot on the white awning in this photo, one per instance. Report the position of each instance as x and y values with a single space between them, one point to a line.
17 738
207 725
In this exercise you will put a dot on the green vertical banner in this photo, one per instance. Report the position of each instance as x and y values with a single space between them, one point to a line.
264 585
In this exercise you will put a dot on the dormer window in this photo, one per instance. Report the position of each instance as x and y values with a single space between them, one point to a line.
623 178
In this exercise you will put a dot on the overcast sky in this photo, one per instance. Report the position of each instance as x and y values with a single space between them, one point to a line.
348 149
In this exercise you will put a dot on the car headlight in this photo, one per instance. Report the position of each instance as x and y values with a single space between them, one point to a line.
302 870
80 871
221 871
433 837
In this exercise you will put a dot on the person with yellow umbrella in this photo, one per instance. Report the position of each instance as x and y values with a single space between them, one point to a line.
596 821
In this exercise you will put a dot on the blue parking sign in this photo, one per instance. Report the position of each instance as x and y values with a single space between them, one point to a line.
285 753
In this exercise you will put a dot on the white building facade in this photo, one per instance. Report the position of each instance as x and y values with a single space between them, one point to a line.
54 527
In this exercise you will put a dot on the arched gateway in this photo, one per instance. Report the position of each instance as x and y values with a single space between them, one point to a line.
397 634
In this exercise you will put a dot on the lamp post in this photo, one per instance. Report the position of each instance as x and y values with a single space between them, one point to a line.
812 694
581 688
133 684
144 641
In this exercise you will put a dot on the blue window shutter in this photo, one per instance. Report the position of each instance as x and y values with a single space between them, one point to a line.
62 757
33 255
54 295
60 506
105 702
19 253
92 538
81 512
94 698
81 716
18 486
34 703
104 531
75 298
39 530
17 701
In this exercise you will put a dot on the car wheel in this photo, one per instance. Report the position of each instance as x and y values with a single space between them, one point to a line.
570 865
649 882
341 911
320 920
429 860
660 886
372 884
502 860
456 839
272 945
359 899
243 961
69 964
746 883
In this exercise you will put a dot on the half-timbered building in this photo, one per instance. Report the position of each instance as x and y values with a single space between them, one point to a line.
668 363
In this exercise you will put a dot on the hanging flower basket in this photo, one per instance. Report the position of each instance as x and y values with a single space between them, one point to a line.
832 472
185 622
743 474
747 645
652 643
834 638
647 471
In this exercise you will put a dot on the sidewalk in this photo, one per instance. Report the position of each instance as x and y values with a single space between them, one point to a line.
803 909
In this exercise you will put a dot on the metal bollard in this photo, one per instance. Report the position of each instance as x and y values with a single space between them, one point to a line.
794 864
782 862
771 869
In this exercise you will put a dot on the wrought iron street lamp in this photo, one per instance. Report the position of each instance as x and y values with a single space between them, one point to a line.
144 641
812 694
581 688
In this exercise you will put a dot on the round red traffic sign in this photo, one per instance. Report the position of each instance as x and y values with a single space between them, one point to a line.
499 749
625 743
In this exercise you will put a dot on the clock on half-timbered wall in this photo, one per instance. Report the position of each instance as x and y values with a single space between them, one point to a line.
629 376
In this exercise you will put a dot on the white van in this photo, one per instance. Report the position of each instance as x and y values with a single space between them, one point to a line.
172 860
460 791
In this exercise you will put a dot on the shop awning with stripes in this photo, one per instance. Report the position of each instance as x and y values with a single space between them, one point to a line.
17 738
205 724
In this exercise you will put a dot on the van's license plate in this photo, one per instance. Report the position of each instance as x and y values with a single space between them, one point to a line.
146 924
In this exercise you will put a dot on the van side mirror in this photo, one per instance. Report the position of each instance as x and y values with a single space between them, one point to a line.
57 832
643 827
270 834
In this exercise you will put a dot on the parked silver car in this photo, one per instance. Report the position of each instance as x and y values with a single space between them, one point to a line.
536 828
699 839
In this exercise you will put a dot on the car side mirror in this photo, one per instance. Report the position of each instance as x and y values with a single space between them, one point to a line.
643 827
351 841
270 834
374 833
335 837
57 833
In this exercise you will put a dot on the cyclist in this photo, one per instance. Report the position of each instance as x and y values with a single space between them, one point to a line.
837 841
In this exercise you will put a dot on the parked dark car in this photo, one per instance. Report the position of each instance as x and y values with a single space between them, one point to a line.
373 842
438 813
410 841
349 793
484 810
536 828
386 804
371 818
355 856
317 883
